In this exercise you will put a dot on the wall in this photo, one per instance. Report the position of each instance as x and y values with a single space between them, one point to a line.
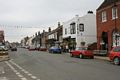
107 26
89 34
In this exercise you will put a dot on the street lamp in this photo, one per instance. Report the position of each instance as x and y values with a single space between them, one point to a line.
39 37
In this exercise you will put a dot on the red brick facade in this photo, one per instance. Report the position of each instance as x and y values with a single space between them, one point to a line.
107 26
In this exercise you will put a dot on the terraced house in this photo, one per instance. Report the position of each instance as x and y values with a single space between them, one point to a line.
108 24
54 37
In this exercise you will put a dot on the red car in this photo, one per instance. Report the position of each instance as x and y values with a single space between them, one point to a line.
42 48
82 52
32 48
115 55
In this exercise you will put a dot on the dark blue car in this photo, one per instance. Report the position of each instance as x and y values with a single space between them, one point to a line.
54 49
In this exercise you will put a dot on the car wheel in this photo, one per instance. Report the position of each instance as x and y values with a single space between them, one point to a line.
49 51
81 56
116 61
71 55
52 51
60 52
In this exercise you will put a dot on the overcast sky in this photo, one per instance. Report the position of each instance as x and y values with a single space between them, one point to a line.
36 15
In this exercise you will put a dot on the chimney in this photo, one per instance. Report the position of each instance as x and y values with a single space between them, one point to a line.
49 30
43 31
58 24
90 12
77 15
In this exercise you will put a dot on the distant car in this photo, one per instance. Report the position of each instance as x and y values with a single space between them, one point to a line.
114 55
32 48
42 48
82 52
4 53
55 49
13 49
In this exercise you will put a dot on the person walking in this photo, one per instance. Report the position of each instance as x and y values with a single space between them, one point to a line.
67 48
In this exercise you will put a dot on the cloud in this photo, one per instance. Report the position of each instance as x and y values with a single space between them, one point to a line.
42 13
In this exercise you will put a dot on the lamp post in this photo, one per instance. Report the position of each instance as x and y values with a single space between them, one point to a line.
39 37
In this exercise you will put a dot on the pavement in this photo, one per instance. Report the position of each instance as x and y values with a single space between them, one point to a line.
4 58
97 57
102 58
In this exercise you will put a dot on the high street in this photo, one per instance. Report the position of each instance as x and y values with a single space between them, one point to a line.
37 65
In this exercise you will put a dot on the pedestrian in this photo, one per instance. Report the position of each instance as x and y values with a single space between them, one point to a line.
66 48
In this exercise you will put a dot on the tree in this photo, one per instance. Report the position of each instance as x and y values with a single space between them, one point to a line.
82 43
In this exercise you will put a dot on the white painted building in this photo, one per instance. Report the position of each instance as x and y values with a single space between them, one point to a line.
82 29
29 42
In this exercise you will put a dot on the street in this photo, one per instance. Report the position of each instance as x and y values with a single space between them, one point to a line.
37 65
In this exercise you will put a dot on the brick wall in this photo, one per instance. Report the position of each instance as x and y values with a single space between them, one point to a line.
107 26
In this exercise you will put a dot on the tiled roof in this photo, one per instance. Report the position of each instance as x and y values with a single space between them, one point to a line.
107 3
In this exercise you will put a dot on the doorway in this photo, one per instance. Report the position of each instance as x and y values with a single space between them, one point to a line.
104 39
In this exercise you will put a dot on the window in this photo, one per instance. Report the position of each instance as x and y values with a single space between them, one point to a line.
81 27
65 30
114 13
104 16
117 49
72 28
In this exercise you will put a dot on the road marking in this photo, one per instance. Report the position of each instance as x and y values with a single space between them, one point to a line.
3 78
23 79
34 77
23 70
16 72
29 74
26 72
2 70
20 76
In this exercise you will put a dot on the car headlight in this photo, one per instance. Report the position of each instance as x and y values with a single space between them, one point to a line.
3 52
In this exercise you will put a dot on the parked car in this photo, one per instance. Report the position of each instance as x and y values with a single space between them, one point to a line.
4 53
13 49
114 55
82 52
31 48
42 48
54 49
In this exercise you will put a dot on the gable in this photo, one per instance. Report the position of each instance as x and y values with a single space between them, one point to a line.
107 3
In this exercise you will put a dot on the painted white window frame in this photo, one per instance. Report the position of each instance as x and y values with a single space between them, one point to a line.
114 10
81 27
65 31
104 16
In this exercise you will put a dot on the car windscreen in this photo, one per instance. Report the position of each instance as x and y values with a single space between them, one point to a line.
3 48
117 49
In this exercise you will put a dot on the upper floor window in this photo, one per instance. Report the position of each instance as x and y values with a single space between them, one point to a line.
81 27
114 13
104 16
72 28
65 30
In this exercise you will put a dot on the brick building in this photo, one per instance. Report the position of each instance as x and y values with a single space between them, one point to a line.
108 24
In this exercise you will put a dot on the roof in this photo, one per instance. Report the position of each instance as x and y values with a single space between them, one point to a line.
107 3
55 30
